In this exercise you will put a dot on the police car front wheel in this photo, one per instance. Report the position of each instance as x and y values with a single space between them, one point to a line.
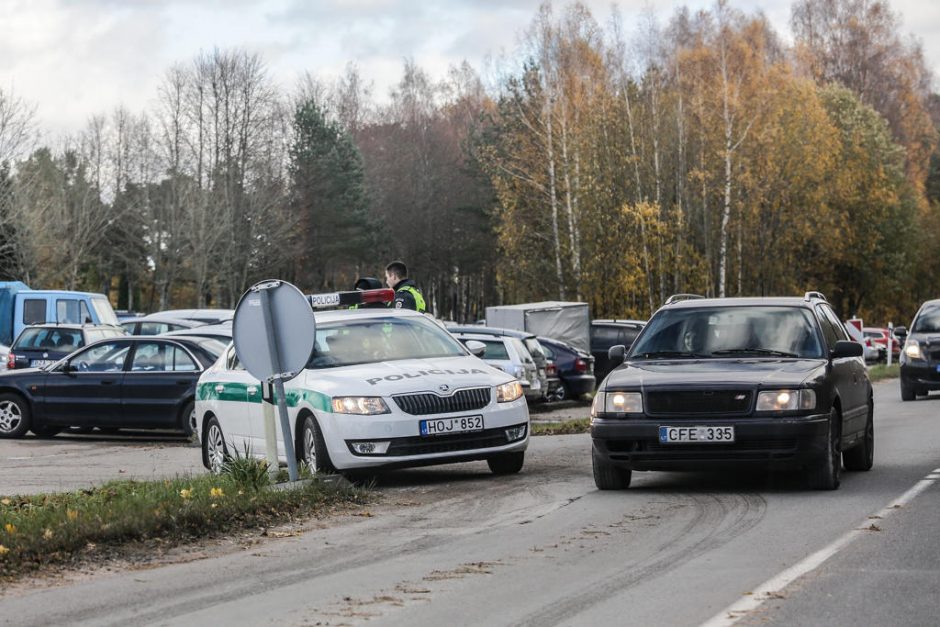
506 463
313 448
214 450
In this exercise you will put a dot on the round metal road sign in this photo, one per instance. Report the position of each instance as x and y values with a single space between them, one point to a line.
273 330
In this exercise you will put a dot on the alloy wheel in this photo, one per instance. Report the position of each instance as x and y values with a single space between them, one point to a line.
10 416
215 448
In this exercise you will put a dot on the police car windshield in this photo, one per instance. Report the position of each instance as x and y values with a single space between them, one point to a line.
729 332
371 340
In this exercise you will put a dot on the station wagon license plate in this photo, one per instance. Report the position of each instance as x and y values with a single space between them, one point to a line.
684 435
40 363
444 426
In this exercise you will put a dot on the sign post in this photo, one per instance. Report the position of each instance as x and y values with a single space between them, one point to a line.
273 331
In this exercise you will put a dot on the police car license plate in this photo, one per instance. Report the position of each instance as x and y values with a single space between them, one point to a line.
683 435
39 363
443 426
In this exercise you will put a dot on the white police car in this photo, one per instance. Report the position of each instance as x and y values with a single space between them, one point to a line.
383 388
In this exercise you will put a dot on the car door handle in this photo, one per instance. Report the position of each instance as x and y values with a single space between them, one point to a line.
107 382
252 389
220 388
182 382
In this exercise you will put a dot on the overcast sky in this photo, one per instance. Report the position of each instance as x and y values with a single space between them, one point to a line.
75 58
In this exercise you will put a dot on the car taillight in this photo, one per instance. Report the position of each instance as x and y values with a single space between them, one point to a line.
580 365
11 361
551 370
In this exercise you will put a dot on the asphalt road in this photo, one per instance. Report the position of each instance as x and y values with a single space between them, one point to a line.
458 546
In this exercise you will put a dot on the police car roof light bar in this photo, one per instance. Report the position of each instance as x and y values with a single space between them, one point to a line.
347 299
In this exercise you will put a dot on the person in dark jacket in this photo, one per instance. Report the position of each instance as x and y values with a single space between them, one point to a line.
407 294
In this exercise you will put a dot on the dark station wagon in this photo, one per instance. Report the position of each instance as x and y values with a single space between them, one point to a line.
711 383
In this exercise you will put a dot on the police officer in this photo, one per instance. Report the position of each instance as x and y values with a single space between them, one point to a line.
407 294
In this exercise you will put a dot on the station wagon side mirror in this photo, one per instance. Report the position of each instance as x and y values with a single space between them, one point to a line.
846 348
617 353
477 349
900 332
67 367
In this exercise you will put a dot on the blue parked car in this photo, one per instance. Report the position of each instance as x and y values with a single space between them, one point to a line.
574 367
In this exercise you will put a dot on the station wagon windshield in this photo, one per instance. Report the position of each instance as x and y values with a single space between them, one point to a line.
729 332
928 321
380 339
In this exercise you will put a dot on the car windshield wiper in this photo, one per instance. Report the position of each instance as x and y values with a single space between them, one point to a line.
667 354
754 351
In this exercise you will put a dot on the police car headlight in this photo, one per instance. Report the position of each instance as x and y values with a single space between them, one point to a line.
786 400
360 405
508 392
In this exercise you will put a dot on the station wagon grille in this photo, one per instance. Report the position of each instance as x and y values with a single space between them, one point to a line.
698 402
429 403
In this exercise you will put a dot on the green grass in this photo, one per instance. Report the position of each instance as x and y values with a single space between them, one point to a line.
578 425
58 529
881 371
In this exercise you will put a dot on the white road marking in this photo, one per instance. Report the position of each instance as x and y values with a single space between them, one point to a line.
772 587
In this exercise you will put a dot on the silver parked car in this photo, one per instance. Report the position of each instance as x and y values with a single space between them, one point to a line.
510 355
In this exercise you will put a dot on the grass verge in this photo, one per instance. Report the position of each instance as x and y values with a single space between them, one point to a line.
58 529
881 371
567 427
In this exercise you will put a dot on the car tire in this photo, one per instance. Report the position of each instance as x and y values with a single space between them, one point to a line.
14 416
44 431
907 392
826 473
607 476
562 394
506 463
862 456
214 450
188 422
312 448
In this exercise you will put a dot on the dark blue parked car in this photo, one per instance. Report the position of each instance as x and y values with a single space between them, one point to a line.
575 368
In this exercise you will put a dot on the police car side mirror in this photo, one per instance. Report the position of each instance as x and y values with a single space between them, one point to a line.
846 348
617 353
477 349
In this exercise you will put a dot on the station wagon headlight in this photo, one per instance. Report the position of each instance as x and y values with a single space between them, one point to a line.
786 400
360 405
912 350
508 392
622 402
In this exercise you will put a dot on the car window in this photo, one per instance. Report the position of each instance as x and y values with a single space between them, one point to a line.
34 311
535 348
521 350
129 327
605 336
161 357
71 311
104 310
153 328
928 320
49 339
495 349
108 357
841 333
232 361
723 331
549 352
378 339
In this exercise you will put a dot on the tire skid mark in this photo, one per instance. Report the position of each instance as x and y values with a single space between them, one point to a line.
723 518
